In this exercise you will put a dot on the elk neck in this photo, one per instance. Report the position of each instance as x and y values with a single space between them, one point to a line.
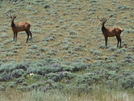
103 27
12 23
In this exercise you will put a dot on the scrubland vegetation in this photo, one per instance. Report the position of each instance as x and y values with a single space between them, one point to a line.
67 59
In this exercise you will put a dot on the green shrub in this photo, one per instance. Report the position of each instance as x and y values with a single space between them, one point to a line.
69 75
5 76
112 49
73 23
22 88
98 63
17 73
8 67
112 75
40 63
36 77
122 7
2 88
30 51
131 48
30 8
54 76
22 65
132 14
64 27
65 47
3 35
112 84
8 11
122 50
79 66
49 22
18 44
127 82
111 59
52 52
37 31
44 49
50 38
89 78
73 32
127 72
36 85
34 70
68 68
102 46
11 84
19 80
97 52
43 70
127 60
113 66
24 83
33 47
10 54
79 48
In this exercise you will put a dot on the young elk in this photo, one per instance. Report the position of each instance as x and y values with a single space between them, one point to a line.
110 32
22 26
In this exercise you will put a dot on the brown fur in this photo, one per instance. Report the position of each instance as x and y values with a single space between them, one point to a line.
22 26
110 32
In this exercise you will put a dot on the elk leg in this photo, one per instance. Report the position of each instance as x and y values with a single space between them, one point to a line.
118 41
30 34
27 36
16 36
106 38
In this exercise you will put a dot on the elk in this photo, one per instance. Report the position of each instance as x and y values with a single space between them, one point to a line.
110 32
18 27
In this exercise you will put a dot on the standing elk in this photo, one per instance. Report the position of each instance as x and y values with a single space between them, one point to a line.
110 32
22 26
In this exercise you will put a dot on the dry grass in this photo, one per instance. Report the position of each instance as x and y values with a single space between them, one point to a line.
98 95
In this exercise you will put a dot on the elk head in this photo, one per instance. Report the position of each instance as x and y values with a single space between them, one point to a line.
104 20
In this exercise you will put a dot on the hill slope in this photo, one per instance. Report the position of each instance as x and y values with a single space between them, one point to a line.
67 51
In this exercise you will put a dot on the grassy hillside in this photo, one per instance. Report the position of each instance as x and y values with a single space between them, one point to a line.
67 29
68 49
